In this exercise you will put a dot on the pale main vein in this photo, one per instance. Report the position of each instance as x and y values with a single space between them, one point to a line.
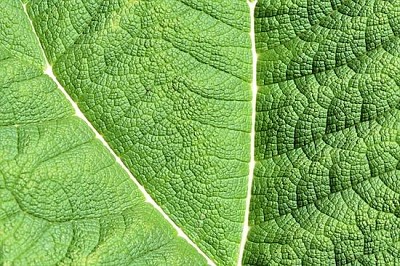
49 72
246 228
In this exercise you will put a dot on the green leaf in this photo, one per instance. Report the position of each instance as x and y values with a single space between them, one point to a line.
152 78
130 130
64 199
326 185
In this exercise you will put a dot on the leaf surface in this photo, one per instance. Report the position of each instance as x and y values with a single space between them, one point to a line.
167 83
64 199
326 189
167 87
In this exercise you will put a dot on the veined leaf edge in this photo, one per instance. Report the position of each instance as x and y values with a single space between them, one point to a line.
246 228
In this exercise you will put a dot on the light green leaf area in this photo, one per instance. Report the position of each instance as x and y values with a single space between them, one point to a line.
167 83
326 188
63 198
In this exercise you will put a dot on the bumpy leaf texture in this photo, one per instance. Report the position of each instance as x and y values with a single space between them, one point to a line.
167 85
64 199
326 186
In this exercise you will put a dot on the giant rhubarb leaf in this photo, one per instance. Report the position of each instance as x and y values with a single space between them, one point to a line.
132 132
